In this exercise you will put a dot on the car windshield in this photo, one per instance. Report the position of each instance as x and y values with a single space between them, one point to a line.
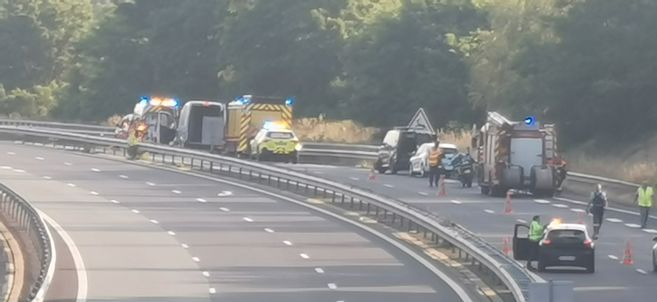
280 135
565 236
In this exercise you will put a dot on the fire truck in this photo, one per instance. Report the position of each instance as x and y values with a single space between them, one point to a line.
515 155
247 114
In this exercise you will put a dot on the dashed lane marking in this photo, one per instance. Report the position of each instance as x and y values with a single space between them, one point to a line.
650 231
489 211
71 185
201 200
135 211
615 220
206 274
612 257
11 153
39 158
332 286
268 230
184 245
578 210
19 171
304 256
224 209
559 205
225 193
123 176
288 243
93 193
68 164
95 170
541 201
172 233
115 201
212 290
152 184
6 168
319 270
247 219
632 225
153 221
354 178
47 177
521 221
423 193
388 186
455 202
196 259
640 271
175 191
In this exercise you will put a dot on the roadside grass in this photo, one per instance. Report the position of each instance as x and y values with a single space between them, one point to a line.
461 138
613 167
317 129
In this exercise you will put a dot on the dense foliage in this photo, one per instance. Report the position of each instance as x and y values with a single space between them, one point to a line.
589 65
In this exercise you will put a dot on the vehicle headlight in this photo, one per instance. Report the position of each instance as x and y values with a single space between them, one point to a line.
298 146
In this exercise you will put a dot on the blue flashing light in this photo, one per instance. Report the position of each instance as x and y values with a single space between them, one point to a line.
289 101
530 120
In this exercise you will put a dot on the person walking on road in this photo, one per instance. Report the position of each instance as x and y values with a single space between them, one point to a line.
597 206
536 230
643 197
435 158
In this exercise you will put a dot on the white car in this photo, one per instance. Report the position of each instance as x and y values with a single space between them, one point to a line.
419 162
654 255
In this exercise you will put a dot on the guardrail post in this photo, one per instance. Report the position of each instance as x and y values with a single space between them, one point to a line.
368 208
212 167
351 202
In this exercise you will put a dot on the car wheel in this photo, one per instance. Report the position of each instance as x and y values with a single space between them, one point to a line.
485 190
591 267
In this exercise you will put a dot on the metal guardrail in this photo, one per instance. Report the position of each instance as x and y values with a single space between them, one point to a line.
382 209
26 219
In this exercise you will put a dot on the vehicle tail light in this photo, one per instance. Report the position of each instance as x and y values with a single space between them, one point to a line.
547 242
588 243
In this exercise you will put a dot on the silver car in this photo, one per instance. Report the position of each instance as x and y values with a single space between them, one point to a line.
419 162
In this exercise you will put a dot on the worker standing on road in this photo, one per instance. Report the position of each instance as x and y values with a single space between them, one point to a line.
435 158
535 235
643 197
597 207
133 140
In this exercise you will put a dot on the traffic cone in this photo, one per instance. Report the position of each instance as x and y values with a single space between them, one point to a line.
508 208
506 249
442 191
372 176
628 259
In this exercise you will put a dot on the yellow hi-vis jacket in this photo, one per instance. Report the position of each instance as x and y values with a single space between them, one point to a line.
535 231
434 158
132 139
645 196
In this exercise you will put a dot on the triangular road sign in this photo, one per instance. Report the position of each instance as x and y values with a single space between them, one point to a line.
420 122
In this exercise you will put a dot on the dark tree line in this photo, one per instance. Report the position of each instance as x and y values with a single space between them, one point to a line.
588 65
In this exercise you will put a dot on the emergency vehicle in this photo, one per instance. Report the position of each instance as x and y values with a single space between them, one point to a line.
275 141
160 116
202 125
248 114
515 155
563 244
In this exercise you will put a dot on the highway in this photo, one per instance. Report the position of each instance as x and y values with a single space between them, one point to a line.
612 280
132 233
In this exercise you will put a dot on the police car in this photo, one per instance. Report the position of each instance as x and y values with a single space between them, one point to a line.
275 141
563 244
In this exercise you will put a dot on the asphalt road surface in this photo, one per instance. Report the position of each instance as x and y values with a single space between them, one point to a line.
131 233
612 281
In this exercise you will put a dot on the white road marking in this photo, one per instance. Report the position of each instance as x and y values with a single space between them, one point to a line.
224 209
19 171
304 256
71 185
640 271
184 245
332 286
196 259
608 208
115 201
47 177
578 210
456 202
423 193
287 242
212 290
632 225
612 257
489 211
135 211
11 153
175 192
268 230
616 220
521 221
75 253
6 168
201 200
68 164
95 170
247 219
93 193
559 205
152 184
650 231
225 193
319 270
172 233
123 176
154 221
541 201
39 158
206 274
354 178
388 186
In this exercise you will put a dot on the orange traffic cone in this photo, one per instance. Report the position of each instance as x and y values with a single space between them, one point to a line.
508 208
442 191
628 259
372 175
506 249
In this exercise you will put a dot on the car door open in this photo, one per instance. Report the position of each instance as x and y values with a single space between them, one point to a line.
521 245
